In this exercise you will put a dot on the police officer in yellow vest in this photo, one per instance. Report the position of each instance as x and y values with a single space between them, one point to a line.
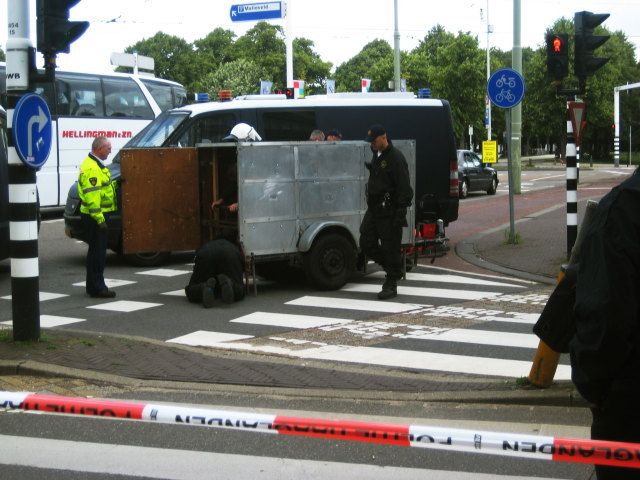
98 198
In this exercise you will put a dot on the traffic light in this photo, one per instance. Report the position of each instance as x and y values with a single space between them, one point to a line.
557 55
586 42
55 31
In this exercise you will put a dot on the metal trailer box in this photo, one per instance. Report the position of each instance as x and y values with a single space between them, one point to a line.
302 202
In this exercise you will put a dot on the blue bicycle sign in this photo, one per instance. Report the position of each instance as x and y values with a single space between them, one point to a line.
506 88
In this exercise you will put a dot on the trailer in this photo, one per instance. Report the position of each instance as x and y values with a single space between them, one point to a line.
300 203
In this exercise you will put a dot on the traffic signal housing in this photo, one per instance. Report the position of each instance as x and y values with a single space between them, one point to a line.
557 55
586 42
55 31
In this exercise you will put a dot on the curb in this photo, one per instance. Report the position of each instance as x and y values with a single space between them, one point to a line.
560 394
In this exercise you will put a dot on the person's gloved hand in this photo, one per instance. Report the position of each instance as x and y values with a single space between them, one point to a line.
103 227
400 217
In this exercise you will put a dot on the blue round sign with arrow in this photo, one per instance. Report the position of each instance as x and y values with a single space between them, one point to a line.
32 130
506 88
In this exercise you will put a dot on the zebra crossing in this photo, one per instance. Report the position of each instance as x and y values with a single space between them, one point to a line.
487 331
442 320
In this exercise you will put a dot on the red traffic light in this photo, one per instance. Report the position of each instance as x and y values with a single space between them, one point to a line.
557 44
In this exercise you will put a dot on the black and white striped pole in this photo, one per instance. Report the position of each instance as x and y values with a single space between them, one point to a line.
572 184
23 223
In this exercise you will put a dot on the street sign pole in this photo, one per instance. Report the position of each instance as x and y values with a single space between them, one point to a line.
23 197
505 89
572 182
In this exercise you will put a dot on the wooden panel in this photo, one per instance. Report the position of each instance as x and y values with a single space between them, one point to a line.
160 200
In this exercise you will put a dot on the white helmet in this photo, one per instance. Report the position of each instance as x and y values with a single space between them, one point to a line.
242 132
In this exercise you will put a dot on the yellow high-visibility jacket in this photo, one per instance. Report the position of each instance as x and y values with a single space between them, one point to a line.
97 191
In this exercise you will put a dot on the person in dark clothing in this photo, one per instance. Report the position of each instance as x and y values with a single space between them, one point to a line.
218 273
605 350
389 193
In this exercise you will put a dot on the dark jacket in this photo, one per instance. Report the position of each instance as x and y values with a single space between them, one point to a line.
219 256
389 173
605 352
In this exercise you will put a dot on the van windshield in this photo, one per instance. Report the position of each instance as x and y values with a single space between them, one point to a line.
156 133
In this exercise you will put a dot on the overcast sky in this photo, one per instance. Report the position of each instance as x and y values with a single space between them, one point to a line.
338 28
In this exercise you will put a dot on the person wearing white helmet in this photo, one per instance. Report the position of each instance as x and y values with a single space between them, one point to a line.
242 132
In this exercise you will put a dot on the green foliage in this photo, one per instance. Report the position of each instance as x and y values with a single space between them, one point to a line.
3 57
455 69
367 64
308 66
242 77
214 50
175 59
264 45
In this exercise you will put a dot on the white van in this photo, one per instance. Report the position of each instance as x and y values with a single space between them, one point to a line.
85 105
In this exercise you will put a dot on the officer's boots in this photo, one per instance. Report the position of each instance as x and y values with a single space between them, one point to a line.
389 289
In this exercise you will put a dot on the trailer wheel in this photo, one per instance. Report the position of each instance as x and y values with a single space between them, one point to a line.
330 262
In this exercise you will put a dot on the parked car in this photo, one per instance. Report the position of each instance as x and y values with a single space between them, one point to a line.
474 176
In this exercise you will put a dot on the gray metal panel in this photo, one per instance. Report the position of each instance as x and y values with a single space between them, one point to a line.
286 187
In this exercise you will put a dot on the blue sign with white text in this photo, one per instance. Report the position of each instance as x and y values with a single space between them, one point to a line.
506 88
32 131
255 11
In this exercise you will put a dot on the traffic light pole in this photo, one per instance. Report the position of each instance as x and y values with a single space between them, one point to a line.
23 197
572 184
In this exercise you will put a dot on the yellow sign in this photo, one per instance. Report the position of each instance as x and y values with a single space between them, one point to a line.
489 151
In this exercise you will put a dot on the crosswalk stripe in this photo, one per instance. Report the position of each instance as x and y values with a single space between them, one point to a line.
287 320
447 278
482 337
417 360
203 338
179 464
353 304
422 292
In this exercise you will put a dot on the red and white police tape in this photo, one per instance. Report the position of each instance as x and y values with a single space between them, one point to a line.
441 438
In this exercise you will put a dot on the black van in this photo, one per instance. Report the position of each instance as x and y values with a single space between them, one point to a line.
276 118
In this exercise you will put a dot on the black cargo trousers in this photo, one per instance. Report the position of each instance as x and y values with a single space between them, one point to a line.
381 238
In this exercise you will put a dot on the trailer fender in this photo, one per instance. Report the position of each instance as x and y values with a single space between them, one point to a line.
310 234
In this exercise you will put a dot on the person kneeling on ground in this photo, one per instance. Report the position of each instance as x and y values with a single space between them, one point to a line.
217 273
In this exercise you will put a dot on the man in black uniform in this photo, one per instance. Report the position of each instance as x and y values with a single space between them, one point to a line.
217 273
605 351
389 193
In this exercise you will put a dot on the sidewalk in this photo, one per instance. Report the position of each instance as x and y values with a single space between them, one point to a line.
137 362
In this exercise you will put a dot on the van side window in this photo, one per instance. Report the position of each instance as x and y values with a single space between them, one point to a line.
123 98
288 124
166 96
84 95
209 129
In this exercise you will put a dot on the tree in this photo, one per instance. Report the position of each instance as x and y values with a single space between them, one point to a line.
241 76
2 55
174 58
214 50
455 70
308 66
365 64
264 45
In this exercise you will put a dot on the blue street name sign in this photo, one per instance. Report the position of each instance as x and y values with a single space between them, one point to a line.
506 88
32 130
256 11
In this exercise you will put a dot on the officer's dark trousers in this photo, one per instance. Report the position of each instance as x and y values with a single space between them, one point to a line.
617 419
380 240
96 255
